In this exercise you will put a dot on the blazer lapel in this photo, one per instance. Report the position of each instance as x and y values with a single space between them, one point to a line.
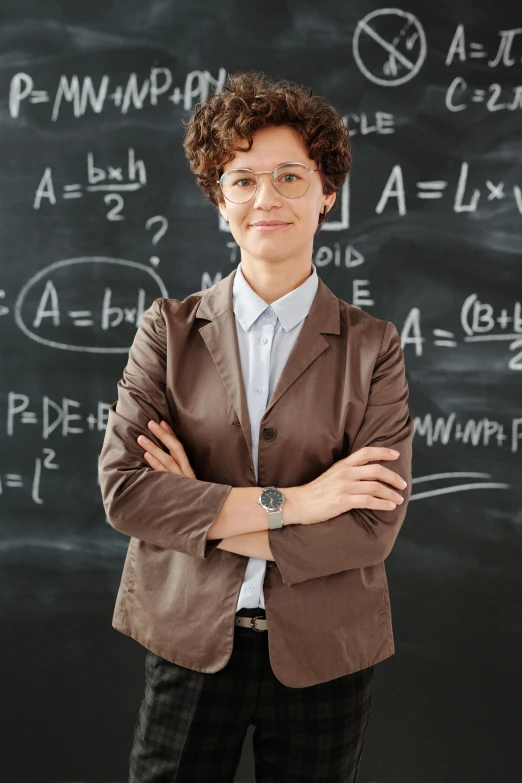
220 337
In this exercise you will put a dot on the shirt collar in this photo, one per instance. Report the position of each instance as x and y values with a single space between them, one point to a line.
291 308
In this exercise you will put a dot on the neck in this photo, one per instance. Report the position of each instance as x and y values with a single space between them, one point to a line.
272 280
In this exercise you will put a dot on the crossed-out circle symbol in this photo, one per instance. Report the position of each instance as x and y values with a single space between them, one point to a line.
407 51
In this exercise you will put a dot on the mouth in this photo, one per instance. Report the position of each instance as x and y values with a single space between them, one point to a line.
269 226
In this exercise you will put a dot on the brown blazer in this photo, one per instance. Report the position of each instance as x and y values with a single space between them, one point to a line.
343 387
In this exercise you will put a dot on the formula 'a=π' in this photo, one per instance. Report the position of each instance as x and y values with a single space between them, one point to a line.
389 46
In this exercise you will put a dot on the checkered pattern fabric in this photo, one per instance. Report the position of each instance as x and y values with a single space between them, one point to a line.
192 725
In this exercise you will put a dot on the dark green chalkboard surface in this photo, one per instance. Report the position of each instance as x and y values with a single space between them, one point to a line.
100 215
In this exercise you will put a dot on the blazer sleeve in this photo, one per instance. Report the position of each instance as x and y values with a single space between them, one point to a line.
171 511
360 537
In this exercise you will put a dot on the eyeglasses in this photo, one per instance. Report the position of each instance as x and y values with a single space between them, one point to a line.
291 180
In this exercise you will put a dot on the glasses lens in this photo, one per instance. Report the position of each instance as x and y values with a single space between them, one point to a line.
238 185
292 179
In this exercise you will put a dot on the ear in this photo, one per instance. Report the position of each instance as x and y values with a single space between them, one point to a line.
223 211
329 202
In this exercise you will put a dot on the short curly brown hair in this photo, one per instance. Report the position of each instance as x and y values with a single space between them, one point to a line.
250 101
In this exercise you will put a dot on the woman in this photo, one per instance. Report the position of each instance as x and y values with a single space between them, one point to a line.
261 506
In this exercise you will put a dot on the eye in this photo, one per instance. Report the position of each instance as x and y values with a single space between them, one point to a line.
241 179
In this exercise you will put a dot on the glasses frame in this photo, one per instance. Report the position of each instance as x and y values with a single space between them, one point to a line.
267 171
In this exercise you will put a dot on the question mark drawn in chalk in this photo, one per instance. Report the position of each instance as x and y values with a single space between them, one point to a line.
154 260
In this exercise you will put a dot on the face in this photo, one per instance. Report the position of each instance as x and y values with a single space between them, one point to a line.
294 239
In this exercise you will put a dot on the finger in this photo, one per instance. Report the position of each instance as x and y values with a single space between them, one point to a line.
166 426
368 501
179 454
167 436
155 463
369 454
167 460
151 448
381 473
378 490
162 432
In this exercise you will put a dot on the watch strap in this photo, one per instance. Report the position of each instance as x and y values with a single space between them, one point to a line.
275 520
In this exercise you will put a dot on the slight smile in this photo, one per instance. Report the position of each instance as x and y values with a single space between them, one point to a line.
268 226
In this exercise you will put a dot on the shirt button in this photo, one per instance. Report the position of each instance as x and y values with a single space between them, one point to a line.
263 340
250 588
257 391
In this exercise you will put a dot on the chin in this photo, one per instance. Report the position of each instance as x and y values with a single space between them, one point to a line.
277 254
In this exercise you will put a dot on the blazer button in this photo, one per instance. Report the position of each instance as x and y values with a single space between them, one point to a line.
268 433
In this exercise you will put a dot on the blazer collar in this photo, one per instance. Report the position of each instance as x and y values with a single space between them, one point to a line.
324 312
220 337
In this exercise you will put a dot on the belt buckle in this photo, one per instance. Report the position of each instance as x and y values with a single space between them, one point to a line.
253 623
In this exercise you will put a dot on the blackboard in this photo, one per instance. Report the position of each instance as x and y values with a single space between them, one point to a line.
101 215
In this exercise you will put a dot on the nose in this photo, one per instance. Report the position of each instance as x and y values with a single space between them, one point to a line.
267 195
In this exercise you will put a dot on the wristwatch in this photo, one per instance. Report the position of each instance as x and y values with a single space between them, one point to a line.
272 501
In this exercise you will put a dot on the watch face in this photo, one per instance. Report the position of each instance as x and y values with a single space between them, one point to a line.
272 498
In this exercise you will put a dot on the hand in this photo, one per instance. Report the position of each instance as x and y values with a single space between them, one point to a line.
176 461
351 483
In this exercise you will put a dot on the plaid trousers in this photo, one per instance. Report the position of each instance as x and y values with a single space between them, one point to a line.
192 725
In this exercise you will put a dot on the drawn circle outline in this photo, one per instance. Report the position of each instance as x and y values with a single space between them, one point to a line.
422 42
70 262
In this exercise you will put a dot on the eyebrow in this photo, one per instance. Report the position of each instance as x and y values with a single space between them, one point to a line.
275 167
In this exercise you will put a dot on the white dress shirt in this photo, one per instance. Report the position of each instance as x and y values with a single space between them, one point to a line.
266 334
